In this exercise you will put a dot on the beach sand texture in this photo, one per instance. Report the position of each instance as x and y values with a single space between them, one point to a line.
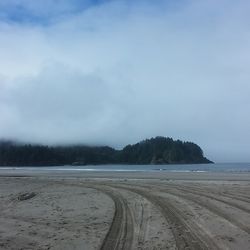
58 212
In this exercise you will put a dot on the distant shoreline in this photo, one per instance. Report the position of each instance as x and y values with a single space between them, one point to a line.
156 151
136 170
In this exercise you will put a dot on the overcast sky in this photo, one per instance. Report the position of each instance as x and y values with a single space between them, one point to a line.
116 72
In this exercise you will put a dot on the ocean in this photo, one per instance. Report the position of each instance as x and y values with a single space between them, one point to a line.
217 167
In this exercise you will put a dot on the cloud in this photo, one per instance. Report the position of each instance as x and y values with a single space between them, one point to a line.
121 71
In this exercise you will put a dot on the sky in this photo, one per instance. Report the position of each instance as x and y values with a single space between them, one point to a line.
116 72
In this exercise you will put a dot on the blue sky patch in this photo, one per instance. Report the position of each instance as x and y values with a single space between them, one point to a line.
42 11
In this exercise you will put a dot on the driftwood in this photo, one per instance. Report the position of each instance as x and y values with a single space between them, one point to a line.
26 196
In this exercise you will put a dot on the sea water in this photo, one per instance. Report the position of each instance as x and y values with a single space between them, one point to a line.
217 167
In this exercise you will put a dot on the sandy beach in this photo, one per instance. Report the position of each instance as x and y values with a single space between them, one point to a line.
125 211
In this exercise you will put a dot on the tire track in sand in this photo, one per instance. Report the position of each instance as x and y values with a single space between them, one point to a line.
187 235
189 195
121 231
200 192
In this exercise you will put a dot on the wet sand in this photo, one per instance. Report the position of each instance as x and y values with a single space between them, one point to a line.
132 210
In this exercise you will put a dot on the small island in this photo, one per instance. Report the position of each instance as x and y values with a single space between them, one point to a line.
158 150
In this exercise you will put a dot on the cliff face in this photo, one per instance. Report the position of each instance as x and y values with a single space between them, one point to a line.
159 150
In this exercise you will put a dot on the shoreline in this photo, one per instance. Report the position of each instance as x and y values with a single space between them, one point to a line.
160 175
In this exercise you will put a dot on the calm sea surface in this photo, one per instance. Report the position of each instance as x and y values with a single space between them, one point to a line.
218 167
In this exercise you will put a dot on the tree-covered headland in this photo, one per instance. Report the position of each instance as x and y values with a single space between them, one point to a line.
158 150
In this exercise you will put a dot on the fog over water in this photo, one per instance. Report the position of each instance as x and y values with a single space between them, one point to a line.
116 72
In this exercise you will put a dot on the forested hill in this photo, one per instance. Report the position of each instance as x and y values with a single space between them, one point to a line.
158 150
